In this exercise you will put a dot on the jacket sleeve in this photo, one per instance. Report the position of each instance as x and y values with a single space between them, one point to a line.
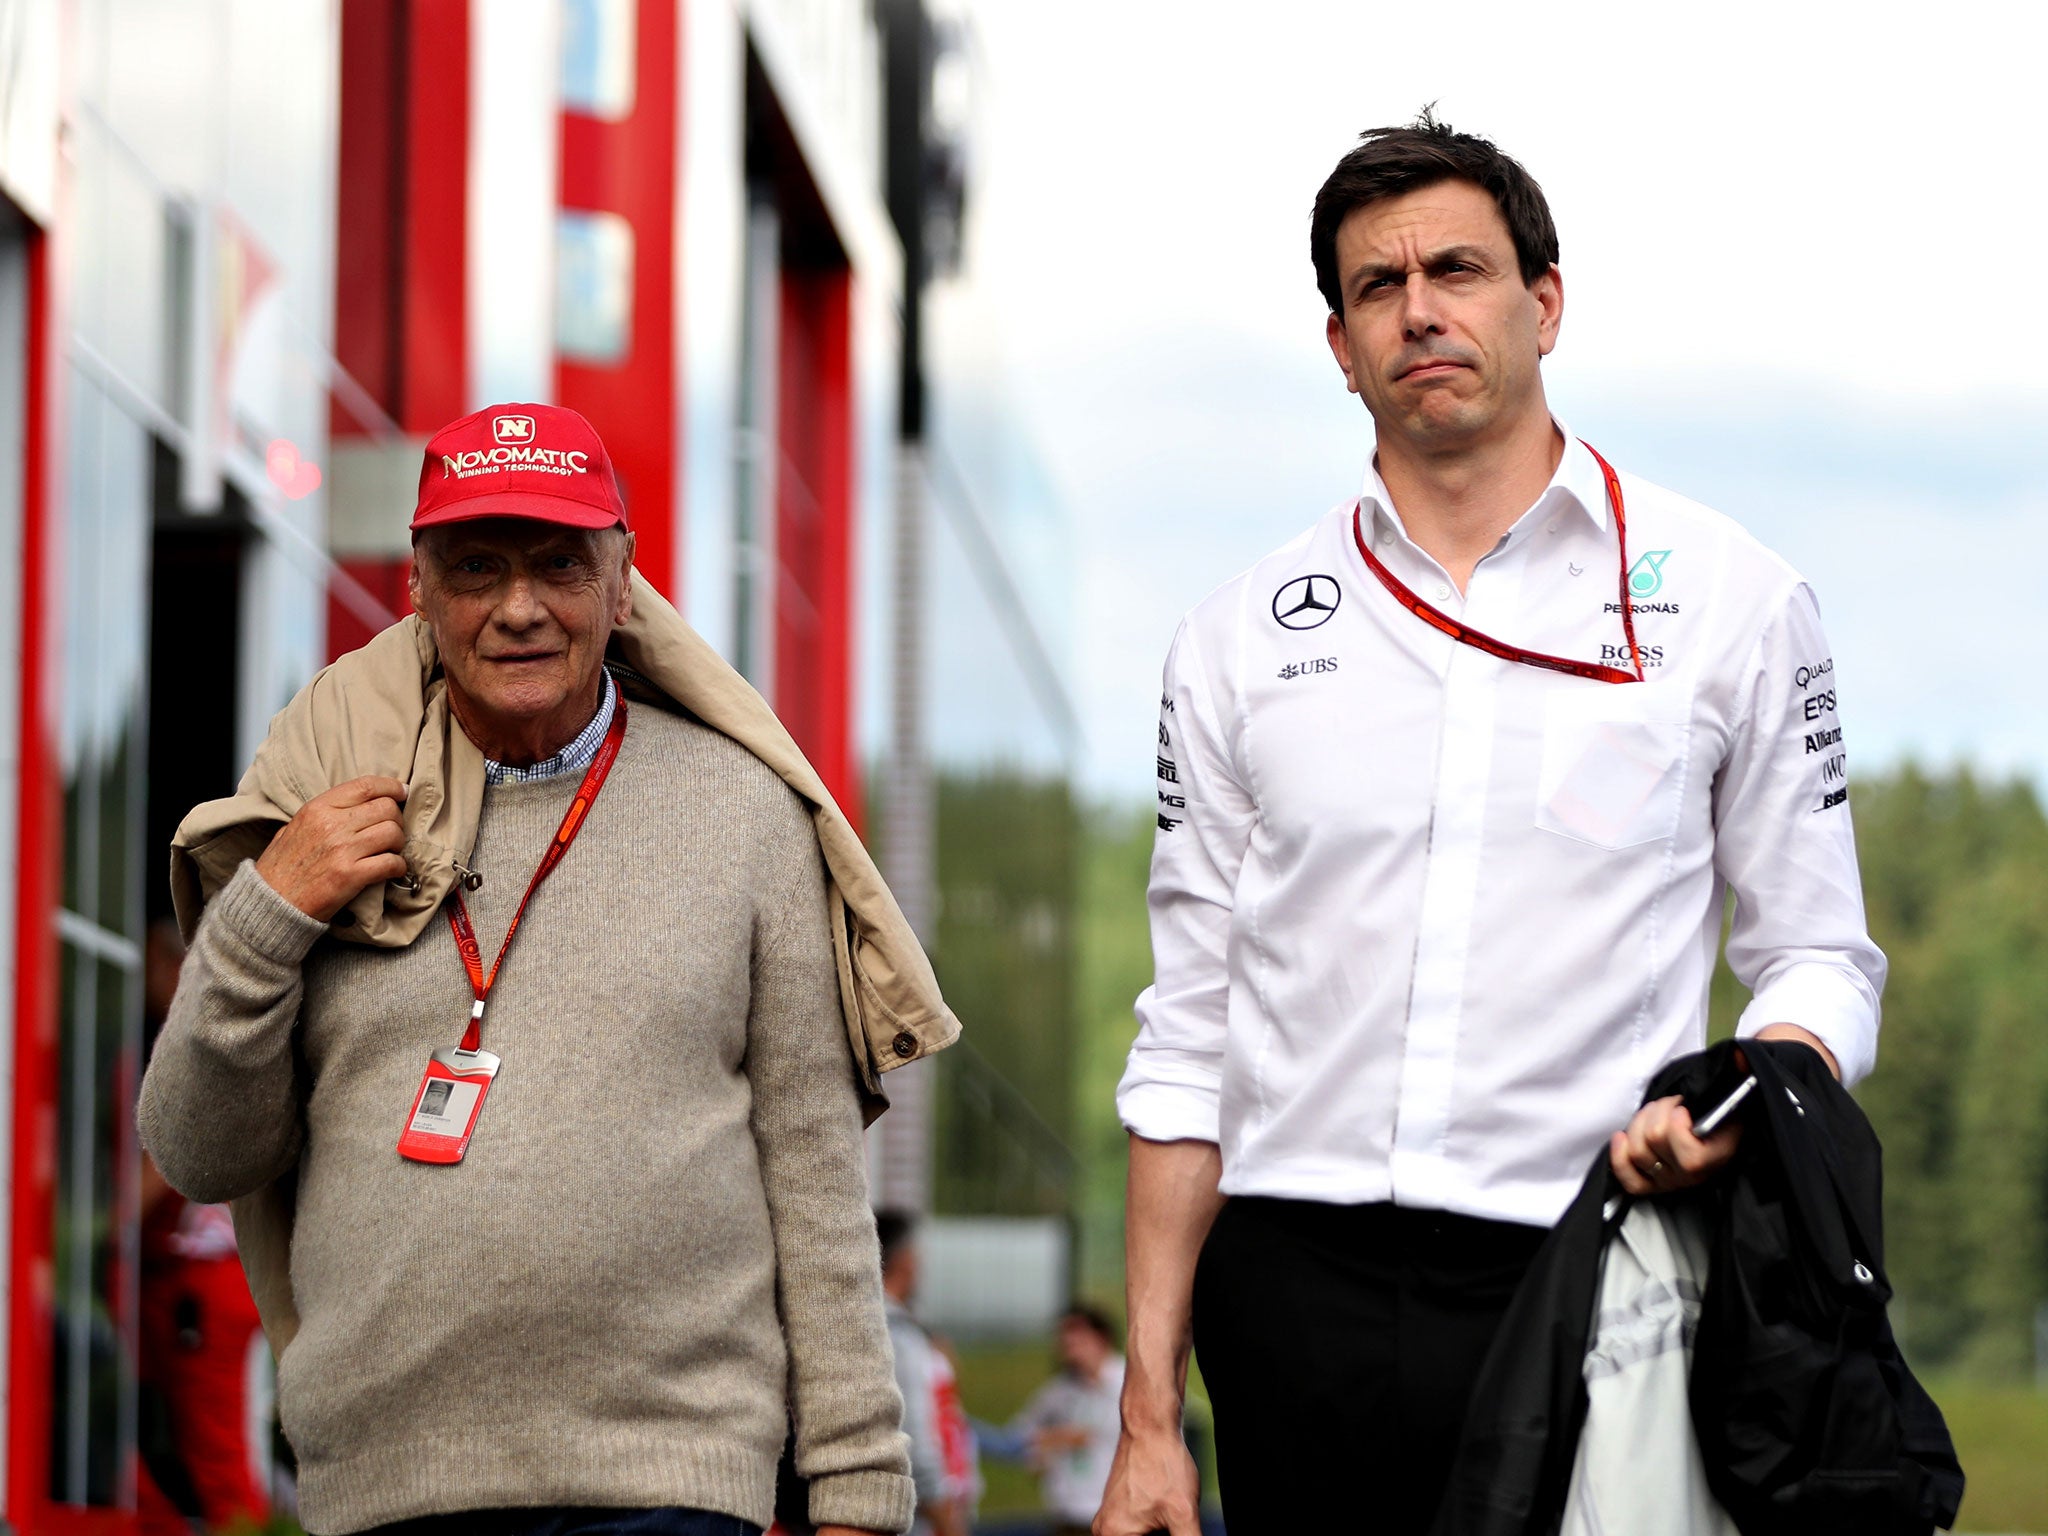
807 1132
220 1110
1784 843
1171 1086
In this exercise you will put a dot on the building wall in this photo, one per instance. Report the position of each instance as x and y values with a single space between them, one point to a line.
247 187
187 244
668 212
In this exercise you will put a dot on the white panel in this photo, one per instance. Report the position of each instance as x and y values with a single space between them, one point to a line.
515 72
992 1276
28 107
710 252
877 350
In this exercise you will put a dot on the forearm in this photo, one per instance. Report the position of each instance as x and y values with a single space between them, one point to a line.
1804 1037
1171 1203
219 1107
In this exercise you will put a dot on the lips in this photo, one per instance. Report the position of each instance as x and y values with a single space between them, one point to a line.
1429 366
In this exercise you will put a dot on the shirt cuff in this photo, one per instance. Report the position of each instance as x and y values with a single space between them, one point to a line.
1823 1001
262 923
1160 1111
872 1501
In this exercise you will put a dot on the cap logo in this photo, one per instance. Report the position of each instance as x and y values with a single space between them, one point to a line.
519 459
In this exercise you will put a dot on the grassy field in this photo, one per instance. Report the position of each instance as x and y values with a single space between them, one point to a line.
995 1379
2001 1434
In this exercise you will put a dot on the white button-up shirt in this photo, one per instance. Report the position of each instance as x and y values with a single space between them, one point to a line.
1424 921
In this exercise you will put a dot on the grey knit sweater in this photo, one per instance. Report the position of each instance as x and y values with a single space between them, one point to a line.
658 1250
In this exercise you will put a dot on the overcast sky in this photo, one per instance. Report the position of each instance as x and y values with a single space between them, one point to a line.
1803 249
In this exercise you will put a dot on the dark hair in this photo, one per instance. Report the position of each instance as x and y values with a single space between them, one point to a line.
1093 1318
894 1229
1391 161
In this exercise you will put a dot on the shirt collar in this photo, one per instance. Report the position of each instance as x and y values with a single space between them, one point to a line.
1576 482
572 758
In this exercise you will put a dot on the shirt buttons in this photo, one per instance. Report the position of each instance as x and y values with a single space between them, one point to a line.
1443 592
904 1045
1386 536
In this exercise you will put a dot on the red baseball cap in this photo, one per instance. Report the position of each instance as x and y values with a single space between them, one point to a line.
539 461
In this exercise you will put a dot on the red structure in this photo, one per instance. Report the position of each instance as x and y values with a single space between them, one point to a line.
628 168
814 526
221 370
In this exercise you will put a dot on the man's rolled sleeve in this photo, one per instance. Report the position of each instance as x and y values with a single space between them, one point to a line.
1171 1087
1785 845
1821 999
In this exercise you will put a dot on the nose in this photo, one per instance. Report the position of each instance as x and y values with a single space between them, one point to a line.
519 607
1419 316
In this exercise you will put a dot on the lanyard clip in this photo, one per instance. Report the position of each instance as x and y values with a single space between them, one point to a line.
476 1012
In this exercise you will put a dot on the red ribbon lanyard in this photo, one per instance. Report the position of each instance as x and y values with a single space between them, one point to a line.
1465 634
565 834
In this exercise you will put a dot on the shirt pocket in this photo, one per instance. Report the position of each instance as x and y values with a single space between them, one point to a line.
1613 768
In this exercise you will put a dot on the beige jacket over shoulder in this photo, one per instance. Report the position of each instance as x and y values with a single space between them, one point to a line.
383 710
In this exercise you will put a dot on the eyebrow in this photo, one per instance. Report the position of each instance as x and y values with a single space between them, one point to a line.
1370 271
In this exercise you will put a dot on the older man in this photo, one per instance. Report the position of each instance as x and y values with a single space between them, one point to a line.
580 1221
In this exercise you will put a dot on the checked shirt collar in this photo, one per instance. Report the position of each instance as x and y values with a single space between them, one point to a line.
573 758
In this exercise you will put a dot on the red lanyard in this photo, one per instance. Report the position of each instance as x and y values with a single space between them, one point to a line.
565 834
1465 634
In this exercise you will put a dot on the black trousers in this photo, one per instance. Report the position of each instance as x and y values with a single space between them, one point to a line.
1339 1344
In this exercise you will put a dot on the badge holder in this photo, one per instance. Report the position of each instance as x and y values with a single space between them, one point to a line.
445 1109
451 1096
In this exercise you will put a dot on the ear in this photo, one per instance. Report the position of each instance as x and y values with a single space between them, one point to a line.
1548 291
412 580
1340 348
623 610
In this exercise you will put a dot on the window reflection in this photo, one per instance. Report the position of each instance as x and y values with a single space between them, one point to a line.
106 613
93 1390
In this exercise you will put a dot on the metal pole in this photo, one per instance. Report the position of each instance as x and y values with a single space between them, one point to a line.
902 1141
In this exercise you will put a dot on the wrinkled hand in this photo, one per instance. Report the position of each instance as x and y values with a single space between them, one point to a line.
1153 1486
1658 1153
340 844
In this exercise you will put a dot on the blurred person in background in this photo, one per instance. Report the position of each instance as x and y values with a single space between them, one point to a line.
943 1457
1068 1429
204 1367
595 1297
1433 895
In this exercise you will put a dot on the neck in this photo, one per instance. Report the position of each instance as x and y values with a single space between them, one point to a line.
518 742
1457 503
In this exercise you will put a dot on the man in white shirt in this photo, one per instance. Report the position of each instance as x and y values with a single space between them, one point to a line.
1451 789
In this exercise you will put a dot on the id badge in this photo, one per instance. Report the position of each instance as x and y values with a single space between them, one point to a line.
444 1111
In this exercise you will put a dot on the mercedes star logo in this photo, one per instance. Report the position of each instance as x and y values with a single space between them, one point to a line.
1307 601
